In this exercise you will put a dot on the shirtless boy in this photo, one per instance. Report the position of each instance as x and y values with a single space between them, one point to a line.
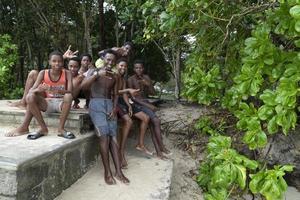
74 66
51 92
126 110
143 82
102 109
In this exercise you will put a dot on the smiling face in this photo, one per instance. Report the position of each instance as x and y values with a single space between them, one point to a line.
126 50
122 67
109 60
138 69
56 62
73 66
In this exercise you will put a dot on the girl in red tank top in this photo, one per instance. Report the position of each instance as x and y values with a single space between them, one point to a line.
55 86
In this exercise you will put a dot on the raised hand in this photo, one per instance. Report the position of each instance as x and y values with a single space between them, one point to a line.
69 53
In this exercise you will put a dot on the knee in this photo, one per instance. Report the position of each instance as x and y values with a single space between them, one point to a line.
128 121
146 119
33 74
68 98
156 120
30 98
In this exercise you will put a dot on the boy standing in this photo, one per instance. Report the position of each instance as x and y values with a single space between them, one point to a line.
102 109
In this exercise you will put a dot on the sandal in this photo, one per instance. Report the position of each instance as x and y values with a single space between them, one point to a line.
67 135
34 135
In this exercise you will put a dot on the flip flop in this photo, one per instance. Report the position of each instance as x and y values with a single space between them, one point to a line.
67 135
34 135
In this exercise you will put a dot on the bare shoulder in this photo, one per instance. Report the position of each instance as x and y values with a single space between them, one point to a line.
147 77
131 78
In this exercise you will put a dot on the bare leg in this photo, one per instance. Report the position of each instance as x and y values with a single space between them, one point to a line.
104 152
75 93
155 143
113 146
158 136
143 128
23 129
125 131
31 78
36 104
66 106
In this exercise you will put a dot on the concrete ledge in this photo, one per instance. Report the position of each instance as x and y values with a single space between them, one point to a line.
78 120
42 169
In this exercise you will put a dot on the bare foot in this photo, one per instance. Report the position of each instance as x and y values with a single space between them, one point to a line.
17 132
109 180
124 164
123 179
162 156
20 104
143 149
166 152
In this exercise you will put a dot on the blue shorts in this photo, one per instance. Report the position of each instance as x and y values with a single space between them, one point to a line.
99 110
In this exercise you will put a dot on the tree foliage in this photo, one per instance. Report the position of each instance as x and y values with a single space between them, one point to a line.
8 57
243 55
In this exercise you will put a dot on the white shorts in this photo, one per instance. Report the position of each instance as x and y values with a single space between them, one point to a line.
54 105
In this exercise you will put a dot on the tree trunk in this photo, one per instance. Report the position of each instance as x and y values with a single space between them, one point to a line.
87 32
101 25
177 73
21 62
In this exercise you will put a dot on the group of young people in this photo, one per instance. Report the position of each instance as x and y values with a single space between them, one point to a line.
109 96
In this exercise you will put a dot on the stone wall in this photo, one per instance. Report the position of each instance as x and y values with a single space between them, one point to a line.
286 150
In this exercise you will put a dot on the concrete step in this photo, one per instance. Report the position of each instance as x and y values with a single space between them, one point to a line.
78 120
43 168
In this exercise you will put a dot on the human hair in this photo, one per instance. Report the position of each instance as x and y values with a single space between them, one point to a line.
110 51
56 53
87 55
139 61
76 59
122 60
128 43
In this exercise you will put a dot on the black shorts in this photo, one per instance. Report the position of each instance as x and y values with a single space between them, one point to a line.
122 108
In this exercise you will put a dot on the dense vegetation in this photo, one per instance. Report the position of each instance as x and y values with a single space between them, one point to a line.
242 56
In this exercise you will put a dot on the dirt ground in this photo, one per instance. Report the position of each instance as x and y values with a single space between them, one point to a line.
183 185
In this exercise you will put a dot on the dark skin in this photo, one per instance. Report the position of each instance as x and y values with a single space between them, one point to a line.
74 66
36 102
104 84
127 121
143 83
31 78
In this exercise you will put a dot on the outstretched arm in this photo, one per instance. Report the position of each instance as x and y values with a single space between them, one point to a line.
148 105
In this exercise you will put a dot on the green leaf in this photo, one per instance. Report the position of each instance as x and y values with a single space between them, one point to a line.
295 12
272 126
268 97
264 112
297 26
241 177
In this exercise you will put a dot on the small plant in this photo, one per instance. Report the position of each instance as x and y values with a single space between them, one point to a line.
223 169
270 183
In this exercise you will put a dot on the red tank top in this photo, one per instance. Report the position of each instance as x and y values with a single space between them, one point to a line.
60 84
